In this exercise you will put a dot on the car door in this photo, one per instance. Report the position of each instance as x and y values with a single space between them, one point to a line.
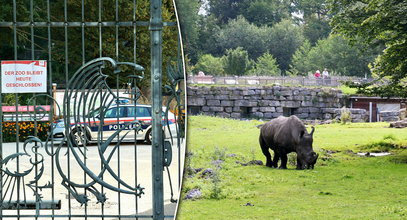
143 114
113 120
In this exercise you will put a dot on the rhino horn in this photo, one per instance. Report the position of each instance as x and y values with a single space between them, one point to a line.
312 130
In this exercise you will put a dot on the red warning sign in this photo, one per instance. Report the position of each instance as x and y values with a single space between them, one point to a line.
24 76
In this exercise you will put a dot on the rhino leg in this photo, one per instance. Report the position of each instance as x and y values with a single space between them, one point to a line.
266 152
299 165
284 159
275 159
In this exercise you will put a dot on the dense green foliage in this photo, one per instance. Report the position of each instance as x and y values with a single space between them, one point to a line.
279 28
264 12
241 33
285 38
334 53
210 65
189 24
236 62
92 45
378 22
265 65
343 185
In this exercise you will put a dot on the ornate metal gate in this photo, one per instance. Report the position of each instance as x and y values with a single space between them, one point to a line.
81 158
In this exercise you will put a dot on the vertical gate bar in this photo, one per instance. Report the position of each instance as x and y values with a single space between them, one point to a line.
1 147
52 104
117 87
83 31
16 98
135 103
156 83
37 211
100 27
100 55
83 62
179 107
66 87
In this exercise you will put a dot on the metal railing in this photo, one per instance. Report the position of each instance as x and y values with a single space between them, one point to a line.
97 169
333 81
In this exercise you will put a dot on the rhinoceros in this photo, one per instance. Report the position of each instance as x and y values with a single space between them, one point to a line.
284 135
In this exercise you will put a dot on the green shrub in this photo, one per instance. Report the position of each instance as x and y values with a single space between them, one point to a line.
266 65
210 65
236 62
346 115
216 191
219 154
292 159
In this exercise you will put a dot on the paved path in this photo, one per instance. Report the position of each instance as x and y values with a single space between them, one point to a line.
128 204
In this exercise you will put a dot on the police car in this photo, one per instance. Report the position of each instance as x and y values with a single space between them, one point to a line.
115 117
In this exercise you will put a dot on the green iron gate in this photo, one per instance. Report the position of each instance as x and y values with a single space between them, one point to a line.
87 163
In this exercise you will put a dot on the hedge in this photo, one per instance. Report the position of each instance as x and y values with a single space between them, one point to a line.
26 128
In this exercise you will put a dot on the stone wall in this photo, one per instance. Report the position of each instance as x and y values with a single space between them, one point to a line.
389 116
356 114
268 102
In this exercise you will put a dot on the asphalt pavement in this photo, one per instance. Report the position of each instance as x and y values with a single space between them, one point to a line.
131 163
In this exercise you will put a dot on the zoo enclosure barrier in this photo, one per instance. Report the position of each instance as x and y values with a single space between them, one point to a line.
72 179
332 81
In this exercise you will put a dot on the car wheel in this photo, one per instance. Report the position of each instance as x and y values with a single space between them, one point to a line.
80 137
149 137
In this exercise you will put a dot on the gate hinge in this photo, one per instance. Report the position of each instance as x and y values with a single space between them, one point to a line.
167 153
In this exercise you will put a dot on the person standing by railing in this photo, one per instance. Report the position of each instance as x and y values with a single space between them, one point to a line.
317 75
325 73
325 77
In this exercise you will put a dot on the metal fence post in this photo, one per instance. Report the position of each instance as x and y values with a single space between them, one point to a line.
156 26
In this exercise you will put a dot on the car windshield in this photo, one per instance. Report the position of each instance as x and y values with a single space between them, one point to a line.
94 113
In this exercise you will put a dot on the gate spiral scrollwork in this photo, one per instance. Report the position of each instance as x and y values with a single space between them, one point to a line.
87 90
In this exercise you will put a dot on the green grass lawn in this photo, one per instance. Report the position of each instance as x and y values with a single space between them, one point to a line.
343 185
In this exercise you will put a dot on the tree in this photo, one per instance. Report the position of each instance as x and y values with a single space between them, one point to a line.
284 39
300 64
208 37
311 8
377 22
236 62
125 42
188 20
316 29
334 53
267 12
314 18
265 65
210 65
225 10
241 33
